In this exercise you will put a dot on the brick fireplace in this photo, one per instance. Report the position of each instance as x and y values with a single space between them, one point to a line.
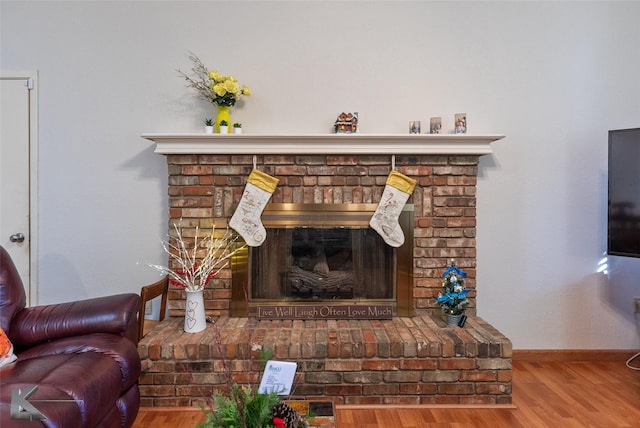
205 187
401 358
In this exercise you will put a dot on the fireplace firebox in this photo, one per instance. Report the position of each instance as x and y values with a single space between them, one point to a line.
323 254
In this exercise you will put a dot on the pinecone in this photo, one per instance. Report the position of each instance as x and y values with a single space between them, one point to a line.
287 413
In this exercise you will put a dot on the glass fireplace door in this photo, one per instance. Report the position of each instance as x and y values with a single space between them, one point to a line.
309 263
324 253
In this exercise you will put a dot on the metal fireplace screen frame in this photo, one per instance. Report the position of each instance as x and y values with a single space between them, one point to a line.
282 218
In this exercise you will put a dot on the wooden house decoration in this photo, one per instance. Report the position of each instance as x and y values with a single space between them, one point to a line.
346 123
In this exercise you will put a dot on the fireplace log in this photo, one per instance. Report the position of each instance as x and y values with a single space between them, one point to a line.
334 284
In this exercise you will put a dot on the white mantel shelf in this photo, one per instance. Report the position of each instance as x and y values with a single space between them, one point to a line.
347 144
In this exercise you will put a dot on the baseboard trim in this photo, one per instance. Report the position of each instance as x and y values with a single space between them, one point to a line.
423 406
564 355
170 409
361 407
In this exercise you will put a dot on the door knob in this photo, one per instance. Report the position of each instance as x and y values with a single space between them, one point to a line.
17 237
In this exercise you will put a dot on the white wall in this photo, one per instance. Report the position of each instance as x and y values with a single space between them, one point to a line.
552 76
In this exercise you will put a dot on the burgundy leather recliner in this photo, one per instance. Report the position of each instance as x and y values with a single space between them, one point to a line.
82 357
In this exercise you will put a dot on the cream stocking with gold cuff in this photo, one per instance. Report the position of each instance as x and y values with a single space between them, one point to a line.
394 197
246 219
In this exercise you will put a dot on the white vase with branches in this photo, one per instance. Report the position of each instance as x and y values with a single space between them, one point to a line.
195 264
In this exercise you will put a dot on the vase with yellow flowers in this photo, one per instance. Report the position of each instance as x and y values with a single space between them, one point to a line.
221 90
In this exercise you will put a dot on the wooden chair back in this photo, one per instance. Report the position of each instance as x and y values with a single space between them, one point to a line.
148 293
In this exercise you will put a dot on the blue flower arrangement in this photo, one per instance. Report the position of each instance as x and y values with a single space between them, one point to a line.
453 297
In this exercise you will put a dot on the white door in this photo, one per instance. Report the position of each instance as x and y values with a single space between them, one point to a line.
16 119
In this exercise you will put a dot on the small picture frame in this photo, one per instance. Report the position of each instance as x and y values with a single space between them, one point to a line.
435 125
414 127
461 123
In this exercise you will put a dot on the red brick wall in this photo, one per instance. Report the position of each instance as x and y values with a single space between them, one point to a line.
203 188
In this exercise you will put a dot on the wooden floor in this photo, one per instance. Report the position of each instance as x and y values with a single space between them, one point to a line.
545 394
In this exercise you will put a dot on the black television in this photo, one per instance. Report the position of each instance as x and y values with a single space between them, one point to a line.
623 217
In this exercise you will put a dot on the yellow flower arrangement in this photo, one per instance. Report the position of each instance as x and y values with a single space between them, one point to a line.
221 90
